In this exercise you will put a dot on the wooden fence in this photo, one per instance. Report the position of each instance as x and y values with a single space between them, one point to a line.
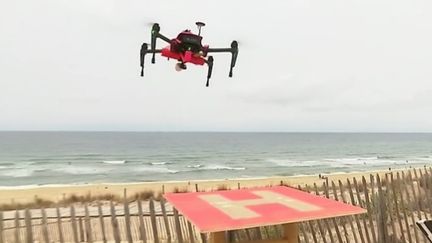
394 202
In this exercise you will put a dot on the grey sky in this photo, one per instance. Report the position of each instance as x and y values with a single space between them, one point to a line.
304 65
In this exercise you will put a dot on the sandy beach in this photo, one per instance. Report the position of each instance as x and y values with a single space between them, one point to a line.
58 192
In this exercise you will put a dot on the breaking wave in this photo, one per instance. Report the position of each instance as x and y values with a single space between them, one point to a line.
114 162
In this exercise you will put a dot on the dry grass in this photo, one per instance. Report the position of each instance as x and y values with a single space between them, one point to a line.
74 199
180 190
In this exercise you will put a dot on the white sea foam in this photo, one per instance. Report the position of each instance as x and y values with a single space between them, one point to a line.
283 162
222 167
155 169
114 162
81 170
195 166
21 172
159 163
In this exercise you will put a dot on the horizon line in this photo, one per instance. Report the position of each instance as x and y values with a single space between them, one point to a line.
220 131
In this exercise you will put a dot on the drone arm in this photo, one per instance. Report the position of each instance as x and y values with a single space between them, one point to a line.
143 52
234 53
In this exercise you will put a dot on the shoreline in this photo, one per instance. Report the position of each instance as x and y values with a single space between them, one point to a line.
57 192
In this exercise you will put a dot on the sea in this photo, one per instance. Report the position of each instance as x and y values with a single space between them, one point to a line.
57 158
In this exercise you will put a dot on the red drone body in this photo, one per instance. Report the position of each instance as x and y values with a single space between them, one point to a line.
186 48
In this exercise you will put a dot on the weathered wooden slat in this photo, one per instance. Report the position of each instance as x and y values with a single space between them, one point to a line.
143 235
333 220
29 230
360 203
17 227
417 199
404 189
127 218
343 219
388 208
74 224
81 229
101 222
359 228
325 220
396 203
304 233
372 190
44 226
426 185
153 221
114 223
59 225
369 209
382 214
420 196
403 208
88 229
165 219
177 226
191 233
1 227
310 223
428 188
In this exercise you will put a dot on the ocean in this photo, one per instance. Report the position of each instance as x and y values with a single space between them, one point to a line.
41 158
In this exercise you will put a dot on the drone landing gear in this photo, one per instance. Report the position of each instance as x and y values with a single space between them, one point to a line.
210 69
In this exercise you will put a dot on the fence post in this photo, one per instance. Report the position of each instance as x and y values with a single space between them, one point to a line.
127 218
59 225
88 229
153 221
143 235
178 227
1 227
114 223
74 226
44 226
17 227
101 221
29 238
165 218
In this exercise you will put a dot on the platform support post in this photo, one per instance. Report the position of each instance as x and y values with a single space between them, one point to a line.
290 232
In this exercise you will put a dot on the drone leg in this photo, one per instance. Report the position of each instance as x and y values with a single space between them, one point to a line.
143 52
234 53
154 35
210 69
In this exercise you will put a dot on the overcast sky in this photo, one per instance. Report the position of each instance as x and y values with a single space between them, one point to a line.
303 65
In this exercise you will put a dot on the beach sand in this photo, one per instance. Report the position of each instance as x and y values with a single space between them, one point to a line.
56 193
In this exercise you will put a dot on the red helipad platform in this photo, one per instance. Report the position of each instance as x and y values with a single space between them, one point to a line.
246 208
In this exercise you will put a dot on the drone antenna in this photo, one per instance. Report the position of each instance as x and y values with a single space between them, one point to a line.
199 24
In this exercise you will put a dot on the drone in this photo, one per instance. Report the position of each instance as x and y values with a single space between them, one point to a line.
186 48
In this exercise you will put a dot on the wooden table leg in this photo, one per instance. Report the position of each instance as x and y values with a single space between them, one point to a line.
217 237
290 232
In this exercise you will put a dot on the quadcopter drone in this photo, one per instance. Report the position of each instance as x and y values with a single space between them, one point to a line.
186 48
